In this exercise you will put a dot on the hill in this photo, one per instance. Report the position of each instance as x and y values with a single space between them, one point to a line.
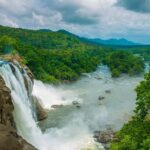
55 56
112 42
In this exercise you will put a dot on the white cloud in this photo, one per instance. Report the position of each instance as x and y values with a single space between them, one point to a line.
92 18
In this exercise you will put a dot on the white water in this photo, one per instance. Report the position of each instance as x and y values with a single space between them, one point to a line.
23 114
113 111
79 124
55 139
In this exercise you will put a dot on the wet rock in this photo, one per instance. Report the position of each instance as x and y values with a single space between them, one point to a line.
40 111
107 146
12 68
101 98
57 106
78 106
26 83
98 78
104 137
108 91
75 103
6 105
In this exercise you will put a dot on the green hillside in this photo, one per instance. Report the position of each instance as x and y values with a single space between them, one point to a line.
61 56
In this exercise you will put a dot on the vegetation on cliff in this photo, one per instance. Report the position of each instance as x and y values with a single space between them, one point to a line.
135 135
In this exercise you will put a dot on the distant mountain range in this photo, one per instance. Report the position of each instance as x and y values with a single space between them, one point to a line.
111 42
98 41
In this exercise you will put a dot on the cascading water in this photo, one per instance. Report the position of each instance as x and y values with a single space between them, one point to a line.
70 137
23 115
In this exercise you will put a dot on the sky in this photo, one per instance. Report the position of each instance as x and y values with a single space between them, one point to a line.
104 19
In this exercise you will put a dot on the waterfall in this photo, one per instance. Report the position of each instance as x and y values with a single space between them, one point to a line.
69 137
24 116
78 125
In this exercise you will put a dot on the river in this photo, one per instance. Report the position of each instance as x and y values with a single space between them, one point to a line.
95 102
71 128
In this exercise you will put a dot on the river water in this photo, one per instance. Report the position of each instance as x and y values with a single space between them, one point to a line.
68 126
71 128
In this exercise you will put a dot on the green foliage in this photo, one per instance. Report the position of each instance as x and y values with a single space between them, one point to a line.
136 134
133 136
124 62
115 72
143 98
58 56
52 56
7 44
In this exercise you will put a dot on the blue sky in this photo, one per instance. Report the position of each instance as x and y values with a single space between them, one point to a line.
90 18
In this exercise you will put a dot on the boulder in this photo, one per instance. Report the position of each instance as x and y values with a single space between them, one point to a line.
75 103
78 106
101 98
98 78
108 91
40 111
104 137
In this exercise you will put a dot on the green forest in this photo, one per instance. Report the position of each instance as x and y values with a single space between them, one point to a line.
61 56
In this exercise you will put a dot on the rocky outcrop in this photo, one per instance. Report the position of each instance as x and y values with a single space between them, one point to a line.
6 105
77 104
9 140
101 98
108 91
104 137
40 111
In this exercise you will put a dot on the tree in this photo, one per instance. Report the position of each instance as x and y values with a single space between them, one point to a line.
7 44
143 97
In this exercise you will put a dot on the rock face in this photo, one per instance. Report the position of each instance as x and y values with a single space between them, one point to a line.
40 111
104 137
9 140
6 105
